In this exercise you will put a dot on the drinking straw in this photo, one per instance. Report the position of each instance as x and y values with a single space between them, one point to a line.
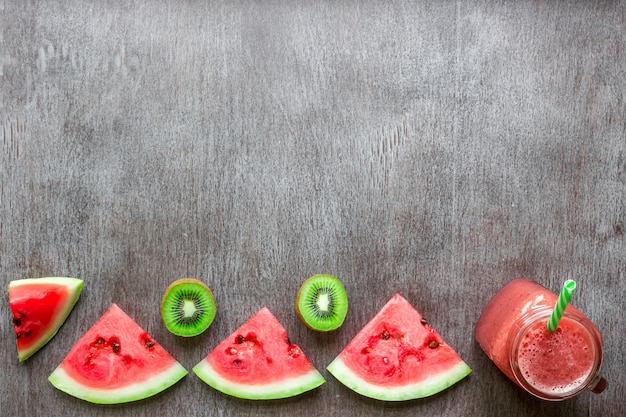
564 298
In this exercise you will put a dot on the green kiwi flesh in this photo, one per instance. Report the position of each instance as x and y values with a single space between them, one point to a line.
188 307
322 303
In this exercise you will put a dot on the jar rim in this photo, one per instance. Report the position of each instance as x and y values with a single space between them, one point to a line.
542 313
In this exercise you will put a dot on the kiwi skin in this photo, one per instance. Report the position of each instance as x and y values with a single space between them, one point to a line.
339 302
168 304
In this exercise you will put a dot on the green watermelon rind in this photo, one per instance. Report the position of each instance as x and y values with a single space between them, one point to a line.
74 287
425 388
132 392
285 388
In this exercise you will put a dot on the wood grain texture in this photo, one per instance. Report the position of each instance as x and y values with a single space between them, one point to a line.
436 149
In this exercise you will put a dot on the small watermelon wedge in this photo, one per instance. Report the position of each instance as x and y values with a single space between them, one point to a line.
259 362
40 306
116 361
397 356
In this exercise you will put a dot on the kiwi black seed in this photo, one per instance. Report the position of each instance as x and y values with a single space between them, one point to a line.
188 307
322 303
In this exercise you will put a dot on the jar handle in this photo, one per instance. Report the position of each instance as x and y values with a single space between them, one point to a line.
599 385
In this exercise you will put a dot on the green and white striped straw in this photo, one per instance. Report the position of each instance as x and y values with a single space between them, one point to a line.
564 298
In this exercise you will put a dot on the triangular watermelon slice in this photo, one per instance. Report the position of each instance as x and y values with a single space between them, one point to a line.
397 356
40 306
258 361
116 361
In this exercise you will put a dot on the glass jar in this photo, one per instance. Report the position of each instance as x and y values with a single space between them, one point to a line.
512 331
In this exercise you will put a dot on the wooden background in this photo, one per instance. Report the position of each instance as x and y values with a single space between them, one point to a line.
433 148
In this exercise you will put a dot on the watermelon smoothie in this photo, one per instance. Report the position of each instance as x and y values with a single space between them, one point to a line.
554 366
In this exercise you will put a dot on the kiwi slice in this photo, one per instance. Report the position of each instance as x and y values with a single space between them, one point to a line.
322 303
188 307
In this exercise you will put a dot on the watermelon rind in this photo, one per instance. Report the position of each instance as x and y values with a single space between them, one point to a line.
287 387
74 287
433 385
133 392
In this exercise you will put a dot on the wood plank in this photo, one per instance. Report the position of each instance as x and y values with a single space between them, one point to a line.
436 149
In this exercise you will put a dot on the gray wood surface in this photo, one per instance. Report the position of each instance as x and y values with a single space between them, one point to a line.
435 149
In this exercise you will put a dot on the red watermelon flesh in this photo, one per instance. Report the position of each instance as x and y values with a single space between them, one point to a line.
258 361
398 356
40 306
116 361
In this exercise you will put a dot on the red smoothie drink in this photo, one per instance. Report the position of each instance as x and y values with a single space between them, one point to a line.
512 331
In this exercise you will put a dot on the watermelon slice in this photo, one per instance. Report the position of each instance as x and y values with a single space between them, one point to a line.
397 356
40 306
116 361
257 361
